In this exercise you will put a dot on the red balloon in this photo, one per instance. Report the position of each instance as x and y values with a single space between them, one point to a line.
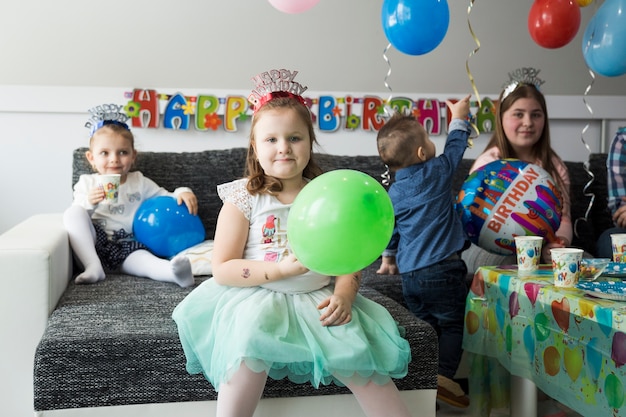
560 311
553 23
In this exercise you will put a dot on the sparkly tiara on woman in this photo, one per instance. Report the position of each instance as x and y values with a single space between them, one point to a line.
106 114
521 76
275 83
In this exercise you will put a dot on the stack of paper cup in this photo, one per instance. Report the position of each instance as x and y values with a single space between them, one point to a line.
110 183
566 266
528 250
618 243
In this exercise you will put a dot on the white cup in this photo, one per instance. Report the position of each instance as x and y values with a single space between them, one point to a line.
618 244
528 251
566 266
110 183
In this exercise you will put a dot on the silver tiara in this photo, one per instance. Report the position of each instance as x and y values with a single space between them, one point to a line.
106 114
521 76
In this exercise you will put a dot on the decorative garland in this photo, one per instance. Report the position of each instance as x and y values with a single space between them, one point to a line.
150 109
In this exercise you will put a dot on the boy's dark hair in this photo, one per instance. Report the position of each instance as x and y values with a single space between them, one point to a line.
398 140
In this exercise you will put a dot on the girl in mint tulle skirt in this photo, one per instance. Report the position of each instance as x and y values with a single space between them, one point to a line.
263 313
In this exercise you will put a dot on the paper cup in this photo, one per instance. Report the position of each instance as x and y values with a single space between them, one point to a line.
110 183
566 266
528 251
618 243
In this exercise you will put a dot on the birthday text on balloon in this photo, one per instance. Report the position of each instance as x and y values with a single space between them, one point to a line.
512 198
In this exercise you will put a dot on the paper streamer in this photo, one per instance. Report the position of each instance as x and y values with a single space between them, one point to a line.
386 176
476 132
586 192
388 110
467 69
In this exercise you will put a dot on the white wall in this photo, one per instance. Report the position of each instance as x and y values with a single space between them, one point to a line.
61 58
337 46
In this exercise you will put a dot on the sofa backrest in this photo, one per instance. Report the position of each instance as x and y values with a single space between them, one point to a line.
202 171
585 188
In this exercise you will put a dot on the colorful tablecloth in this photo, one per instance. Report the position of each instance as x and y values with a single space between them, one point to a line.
570 344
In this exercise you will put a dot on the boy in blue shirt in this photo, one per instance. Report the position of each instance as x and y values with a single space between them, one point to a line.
428 236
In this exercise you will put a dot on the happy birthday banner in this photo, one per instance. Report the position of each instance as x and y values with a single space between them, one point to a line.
151 109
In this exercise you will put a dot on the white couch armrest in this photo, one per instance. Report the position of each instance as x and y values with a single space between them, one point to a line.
35 268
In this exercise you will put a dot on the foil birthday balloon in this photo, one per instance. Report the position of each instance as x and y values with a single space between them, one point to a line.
508 198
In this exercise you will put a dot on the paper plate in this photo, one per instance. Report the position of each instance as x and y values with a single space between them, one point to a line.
610 290
615 269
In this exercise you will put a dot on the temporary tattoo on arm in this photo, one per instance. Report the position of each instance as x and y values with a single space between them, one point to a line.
246 273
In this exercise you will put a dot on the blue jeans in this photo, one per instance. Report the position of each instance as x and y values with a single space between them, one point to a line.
436 294
603 246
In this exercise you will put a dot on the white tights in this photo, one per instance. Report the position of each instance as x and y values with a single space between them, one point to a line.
82 236
141 263
240 396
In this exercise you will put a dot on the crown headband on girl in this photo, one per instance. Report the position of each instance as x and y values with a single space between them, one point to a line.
521 76
273 84
106 114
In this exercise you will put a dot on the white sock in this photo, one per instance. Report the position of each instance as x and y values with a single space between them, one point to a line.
240 396
83 241
143 263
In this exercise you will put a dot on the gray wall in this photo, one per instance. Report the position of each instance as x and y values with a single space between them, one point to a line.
337 46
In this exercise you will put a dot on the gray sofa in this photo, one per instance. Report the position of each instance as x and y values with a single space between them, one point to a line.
112 348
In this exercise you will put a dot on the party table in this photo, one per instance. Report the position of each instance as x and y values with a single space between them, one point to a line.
567 342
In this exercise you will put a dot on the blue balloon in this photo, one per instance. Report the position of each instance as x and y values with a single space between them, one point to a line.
415 27
165 227
604 41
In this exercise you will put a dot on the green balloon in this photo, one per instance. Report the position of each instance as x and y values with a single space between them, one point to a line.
340 222
542 328
614 391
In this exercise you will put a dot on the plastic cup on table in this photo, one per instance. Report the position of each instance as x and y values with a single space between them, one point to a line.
528 251
566 266
618 244
110 183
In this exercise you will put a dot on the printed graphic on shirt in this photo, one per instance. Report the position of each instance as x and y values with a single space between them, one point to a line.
117 209
269 229
273 239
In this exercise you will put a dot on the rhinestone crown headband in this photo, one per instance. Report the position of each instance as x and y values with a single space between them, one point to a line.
106 114
275 83
521 76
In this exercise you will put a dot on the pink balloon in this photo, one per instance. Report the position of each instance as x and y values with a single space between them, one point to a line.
293 6
513 304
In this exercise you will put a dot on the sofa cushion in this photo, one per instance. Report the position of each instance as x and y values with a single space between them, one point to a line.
114 343
200 257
